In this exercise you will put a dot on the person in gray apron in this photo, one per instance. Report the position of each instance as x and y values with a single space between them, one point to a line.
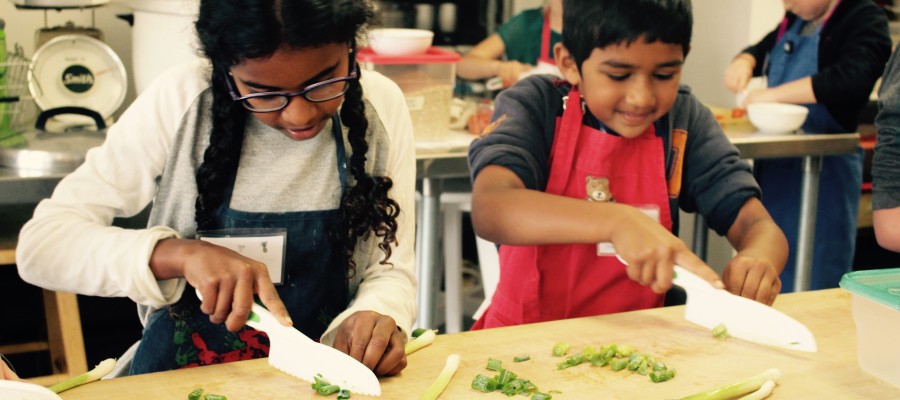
801 54
314 290
277 131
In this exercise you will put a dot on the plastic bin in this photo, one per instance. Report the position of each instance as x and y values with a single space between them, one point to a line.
875 307
427 82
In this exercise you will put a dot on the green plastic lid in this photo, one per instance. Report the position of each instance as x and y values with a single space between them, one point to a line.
881 285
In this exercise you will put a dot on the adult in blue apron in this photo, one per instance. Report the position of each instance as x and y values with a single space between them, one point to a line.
314 290
795 56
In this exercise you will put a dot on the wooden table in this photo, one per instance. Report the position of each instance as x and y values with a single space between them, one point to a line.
701 361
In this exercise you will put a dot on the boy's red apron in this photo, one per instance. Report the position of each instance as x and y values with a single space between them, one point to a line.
551 282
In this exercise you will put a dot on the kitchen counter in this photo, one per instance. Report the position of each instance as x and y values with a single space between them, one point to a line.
702 362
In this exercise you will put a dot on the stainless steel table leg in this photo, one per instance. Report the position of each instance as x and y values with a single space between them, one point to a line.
809 196
429 263
701 232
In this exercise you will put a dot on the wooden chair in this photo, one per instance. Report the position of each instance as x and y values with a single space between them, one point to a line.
64 338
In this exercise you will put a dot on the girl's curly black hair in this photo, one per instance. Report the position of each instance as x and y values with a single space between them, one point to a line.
232 31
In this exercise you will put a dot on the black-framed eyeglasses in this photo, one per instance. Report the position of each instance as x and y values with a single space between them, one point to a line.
316 93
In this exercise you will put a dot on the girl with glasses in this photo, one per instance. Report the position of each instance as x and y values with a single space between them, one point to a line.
278 129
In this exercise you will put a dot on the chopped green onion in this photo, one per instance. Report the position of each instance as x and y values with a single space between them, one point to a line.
494 364
624 350
325 390
505 376
560 349
618 364
506 382
541 396
523 357
720 331
484 384
214 397
195 394
344 394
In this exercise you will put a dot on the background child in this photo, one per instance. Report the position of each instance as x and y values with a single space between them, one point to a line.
827 55
523 42
608 155
275 132
886 161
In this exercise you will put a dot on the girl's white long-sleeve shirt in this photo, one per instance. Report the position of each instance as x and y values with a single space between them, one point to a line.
151 155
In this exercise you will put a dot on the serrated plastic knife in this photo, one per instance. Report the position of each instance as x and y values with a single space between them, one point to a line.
743 318
294 353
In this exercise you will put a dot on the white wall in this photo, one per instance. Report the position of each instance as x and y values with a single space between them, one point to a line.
22 24
721 29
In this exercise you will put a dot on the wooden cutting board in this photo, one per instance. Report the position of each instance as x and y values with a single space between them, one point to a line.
702 362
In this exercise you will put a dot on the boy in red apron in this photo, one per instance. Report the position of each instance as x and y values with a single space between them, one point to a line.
607 156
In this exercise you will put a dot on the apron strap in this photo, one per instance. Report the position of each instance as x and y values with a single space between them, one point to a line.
545 39
564 141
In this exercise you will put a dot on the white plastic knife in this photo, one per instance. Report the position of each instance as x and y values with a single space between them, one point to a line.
294 353
743 318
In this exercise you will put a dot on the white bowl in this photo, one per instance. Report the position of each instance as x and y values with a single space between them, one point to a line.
400 41
776 118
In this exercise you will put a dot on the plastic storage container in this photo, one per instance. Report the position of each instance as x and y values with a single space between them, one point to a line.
427 82
875 307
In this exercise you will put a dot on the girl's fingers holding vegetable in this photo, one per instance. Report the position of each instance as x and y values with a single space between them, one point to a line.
354 334
223 302
394 358
379 341
241 302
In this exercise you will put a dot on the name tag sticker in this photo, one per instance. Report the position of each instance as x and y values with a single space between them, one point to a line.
266 245
607 249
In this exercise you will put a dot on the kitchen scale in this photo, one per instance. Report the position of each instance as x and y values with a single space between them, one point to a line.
58 4
78 82
73 67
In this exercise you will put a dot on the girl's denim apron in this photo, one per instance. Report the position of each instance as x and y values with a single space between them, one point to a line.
314 290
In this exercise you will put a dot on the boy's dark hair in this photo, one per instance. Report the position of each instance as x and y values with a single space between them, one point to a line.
232 31
590 24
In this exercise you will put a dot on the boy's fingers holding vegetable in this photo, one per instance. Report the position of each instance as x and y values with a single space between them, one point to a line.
754 278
